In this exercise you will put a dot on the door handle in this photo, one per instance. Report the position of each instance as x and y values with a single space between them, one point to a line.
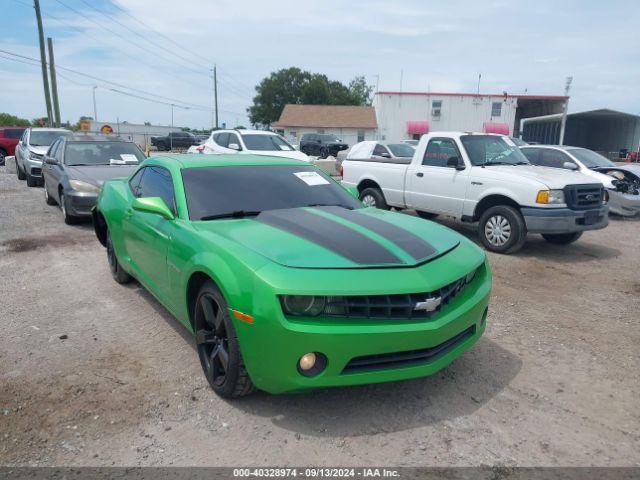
419 174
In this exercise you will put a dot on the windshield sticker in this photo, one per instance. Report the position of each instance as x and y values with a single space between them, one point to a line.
129 157
311 178
509 142
285 147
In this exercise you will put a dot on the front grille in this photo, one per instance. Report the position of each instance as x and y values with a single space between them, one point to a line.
582 197
397 306
408 358
36 171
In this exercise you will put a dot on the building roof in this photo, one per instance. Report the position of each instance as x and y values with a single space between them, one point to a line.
330 116
600 114
501 95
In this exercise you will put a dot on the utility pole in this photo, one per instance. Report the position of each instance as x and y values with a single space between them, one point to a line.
479 78
563 123
43 62
95 110
171 136
215 93
54 83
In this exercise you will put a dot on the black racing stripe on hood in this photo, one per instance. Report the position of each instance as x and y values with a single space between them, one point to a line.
409 242
331 235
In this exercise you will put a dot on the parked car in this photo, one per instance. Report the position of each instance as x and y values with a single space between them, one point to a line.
287 282
248 142
621 184
33 144
518 142
485 180
75 167
9 138
321 144
378 151
179 140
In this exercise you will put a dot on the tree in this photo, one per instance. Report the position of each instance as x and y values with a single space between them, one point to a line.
292 85
8 120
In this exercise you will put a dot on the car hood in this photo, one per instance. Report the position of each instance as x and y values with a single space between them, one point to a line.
553 178
39 150
334 237
98 174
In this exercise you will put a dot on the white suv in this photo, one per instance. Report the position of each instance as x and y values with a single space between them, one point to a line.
255 142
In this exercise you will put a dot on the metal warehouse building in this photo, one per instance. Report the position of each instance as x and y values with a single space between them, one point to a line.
403 115
606 131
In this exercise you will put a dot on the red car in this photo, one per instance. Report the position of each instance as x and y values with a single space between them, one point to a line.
9 138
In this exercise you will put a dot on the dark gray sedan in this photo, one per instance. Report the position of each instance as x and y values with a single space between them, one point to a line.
75 168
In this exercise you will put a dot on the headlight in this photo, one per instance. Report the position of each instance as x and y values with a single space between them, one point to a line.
552 197
81 186
605 197
303 305
34 156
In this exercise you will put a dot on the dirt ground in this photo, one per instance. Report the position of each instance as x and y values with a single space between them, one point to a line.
95 373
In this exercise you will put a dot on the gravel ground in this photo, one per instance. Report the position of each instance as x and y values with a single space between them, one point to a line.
95 373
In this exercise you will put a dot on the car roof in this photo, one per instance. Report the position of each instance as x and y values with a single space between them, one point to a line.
554 147
84 137
244 131
222 160
46 129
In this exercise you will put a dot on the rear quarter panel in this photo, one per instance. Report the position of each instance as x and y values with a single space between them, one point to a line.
389 176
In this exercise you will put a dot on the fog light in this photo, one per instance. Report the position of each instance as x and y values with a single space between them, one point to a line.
307 361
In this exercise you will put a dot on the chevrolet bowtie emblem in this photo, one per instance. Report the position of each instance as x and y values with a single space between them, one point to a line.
429 305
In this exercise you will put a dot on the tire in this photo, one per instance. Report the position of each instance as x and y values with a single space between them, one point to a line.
47 198
118 274
20 172
218 346
3 154
324 153
68 219
373 197
32 181
561 238
426 215
502 229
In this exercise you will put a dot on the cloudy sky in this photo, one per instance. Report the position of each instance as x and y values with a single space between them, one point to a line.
163 50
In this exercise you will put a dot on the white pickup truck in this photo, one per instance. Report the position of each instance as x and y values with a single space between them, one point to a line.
485 180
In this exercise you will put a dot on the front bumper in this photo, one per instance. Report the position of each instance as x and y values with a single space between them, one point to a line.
79 204
564 220
624 204
273 344
34 167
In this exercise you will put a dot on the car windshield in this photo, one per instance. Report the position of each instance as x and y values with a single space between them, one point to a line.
44 138
492 150
218 192
591 159
102 153
329 138
401 149
267 143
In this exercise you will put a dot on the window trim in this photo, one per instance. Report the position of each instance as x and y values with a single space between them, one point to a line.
174 206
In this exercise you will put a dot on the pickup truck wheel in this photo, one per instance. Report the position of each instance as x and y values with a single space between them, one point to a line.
118 274
324 153
218 346
31 181
561 238
373 197
502 229
426 215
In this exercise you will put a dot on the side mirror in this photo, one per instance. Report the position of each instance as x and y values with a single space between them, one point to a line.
154 205
569 166
454 162
50 161
234 146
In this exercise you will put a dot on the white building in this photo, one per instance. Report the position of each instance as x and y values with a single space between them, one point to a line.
404 115
351 124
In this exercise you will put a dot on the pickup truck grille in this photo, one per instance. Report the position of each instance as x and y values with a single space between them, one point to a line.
393 306
582 197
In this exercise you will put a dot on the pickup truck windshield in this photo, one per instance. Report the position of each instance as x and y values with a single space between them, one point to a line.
492 150
236 191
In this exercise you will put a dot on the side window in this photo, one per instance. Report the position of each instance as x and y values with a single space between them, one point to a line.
553 158
53 149
60 150
221 139
135 181
532 154
438 151
233 138
157 182
379 150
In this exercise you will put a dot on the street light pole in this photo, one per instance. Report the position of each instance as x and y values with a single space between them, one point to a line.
95 110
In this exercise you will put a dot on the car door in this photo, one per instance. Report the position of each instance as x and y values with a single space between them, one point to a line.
57 171
47 166
146 235
432 186
20 148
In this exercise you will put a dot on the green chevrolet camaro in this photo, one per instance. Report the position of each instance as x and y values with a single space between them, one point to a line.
286 280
